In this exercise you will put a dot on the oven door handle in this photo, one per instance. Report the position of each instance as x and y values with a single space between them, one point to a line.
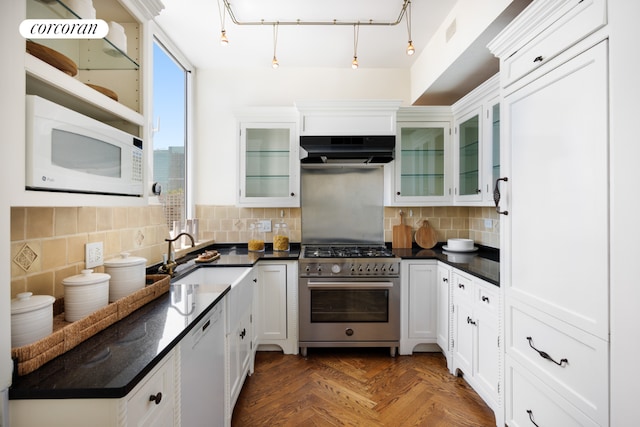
349 285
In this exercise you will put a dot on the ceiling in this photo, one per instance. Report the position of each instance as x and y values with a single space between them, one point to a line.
194 26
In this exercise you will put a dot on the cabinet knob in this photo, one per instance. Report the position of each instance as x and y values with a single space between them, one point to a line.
156 398
293 194
397 193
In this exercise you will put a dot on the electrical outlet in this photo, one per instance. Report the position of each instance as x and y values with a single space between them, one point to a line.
266 225
93 254
488 223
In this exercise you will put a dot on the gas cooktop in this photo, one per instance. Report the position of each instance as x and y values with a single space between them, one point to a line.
347 251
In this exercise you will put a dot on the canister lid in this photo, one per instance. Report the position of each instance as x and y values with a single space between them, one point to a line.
125 261
26 302
87 277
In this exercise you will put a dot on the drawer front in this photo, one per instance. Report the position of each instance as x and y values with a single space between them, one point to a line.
575 19
159 384
568 359
462 287
487 297
530 401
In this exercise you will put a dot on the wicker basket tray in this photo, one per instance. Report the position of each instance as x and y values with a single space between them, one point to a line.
67 335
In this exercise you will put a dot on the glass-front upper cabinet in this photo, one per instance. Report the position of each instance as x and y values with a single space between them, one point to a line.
467 168
268 165
422 164
494 117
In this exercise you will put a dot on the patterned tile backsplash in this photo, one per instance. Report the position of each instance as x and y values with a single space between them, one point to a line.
47 243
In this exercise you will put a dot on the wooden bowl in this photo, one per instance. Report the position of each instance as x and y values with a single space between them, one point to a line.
103 90
53 58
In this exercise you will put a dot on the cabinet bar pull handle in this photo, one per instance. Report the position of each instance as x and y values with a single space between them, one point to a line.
530 412
496 196
485 299
460 285
444 279
545 355
538 59
156 398
472 322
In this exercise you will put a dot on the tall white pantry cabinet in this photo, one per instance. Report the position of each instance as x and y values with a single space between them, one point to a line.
555 271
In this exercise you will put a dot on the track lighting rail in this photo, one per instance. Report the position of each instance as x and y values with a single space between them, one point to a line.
371 22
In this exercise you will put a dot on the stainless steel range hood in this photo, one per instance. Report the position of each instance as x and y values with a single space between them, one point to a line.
347 149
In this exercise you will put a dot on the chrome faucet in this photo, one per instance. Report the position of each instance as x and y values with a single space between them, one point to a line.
170 263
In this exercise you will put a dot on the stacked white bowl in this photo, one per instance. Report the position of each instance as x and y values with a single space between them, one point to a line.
85 293
460 245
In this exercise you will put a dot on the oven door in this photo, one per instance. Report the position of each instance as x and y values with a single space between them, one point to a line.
334 310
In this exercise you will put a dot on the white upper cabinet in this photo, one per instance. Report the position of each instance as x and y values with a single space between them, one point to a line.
476 145
364 117
269 161
114 66
421 171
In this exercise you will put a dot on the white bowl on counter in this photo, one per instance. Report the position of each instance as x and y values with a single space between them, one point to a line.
84 294
127 273
31 318
459 245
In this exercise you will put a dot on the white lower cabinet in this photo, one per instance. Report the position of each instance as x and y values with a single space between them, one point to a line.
153 402
238 339
530 402
276 313
443 310
418 305
476 337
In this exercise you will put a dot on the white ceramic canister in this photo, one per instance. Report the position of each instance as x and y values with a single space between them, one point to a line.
31 318
128 274
85 293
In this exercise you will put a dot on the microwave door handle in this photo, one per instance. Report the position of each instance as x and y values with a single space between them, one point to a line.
349 285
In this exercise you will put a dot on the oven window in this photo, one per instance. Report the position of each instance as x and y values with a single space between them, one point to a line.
349 305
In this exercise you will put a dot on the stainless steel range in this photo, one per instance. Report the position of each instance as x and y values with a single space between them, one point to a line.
349 296
349 282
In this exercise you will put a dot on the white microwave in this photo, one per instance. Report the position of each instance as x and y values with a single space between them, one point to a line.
70 152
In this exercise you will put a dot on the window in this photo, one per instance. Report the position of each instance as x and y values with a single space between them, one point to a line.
170 100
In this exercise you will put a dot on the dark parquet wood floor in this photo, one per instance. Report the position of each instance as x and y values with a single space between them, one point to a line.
357 387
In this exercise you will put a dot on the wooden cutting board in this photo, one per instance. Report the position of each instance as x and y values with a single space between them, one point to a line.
401 235
426 236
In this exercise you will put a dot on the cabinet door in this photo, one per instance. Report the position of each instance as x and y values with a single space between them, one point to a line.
486 350
268 165
463 337
467 167
422 300
558 140
443 308
422 163
272 321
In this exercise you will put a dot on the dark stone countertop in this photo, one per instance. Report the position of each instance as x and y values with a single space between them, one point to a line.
483 263
111 363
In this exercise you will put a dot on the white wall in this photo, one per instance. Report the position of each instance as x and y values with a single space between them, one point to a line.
12 105
471 17
221 93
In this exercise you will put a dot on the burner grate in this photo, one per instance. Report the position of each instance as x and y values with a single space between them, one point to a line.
347 252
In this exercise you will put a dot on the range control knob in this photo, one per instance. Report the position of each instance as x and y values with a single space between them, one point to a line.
335 268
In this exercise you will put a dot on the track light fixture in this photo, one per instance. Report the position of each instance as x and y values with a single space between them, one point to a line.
410 49
224 41
274 61
356 30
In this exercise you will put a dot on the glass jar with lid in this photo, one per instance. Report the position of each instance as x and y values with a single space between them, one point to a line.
256 238
281 237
